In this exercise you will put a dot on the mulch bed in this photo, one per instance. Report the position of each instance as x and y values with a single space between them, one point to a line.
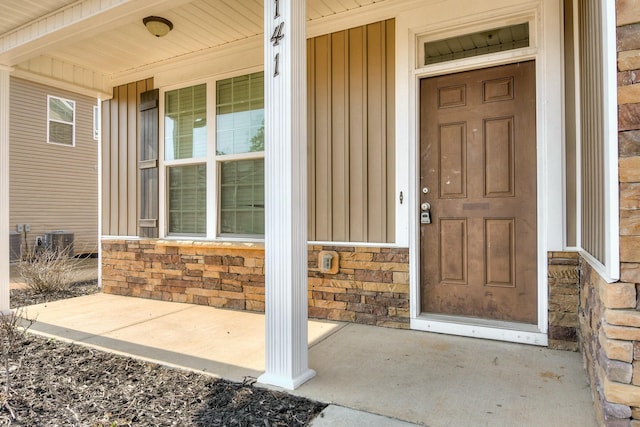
24 297
59 384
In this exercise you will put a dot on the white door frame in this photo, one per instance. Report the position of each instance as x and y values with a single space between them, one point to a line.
545 27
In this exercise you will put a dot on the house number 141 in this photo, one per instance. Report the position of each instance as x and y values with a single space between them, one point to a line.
278 34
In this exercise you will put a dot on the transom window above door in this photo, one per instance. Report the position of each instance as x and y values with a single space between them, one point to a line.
474 44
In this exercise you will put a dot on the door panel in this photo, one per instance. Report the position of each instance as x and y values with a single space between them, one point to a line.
478 166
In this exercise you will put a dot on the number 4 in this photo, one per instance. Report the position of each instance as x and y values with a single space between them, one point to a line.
277 34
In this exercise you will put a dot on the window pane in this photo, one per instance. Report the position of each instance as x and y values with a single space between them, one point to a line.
61 133
481 43
60 120
61 110
187 199
240 115
185 123
242 197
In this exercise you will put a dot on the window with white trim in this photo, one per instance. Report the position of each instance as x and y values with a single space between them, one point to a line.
185 153
240 154
237 162
61 121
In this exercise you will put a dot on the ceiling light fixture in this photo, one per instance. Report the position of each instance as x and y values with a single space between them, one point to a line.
157 26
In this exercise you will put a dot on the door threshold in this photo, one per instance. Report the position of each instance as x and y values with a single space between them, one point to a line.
480 328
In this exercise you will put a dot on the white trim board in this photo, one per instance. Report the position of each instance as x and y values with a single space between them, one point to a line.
478 328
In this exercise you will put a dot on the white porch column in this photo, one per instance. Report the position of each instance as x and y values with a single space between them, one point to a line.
285 194
4 189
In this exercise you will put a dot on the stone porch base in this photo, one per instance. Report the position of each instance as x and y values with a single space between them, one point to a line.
368 285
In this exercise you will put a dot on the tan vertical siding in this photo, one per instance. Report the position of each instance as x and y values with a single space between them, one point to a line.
52 187
322 193
390 78
570 118
106 166
124 186
358 134
592 131
351 135
340 134
120 134
377 133
132 158
311 131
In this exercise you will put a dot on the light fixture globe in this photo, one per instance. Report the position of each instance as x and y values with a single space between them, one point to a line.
157 26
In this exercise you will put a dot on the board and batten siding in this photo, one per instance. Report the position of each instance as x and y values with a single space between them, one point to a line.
351 142
351 135
52 187
120 174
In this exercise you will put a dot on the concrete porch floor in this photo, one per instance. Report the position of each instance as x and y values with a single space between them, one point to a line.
411 376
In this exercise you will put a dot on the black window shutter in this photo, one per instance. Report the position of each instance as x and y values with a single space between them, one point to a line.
148 165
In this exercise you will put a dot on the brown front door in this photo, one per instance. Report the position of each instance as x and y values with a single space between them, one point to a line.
478 174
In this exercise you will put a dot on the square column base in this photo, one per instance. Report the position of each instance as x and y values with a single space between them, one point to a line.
286 382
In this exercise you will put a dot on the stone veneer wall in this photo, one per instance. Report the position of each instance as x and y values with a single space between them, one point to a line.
609 312
609 338
371 285
563 300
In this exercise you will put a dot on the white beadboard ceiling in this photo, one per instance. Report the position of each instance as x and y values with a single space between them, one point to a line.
198 25
16 13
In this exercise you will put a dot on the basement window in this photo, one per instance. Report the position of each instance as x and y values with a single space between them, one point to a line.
475 44
61 118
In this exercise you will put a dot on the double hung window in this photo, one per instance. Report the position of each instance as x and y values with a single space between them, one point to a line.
240 154
185 153
61 121
231 176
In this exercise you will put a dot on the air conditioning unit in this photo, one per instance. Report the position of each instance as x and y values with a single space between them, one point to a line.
59 241
15 246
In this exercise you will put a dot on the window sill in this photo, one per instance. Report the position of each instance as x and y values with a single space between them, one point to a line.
258 245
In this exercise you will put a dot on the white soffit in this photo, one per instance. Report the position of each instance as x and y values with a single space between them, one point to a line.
16 13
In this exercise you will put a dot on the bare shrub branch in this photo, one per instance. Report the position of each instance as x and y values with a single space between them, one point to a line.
49 270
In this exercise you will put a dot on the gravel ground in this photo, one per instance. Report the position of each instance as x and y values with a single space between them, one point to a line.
60 384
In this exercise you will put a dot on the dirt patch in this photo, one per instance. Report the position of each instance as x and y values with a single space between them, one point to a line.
59 384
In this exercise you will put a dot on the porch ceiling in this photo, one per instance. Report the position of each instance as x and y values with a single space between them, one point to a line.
16 13
104 39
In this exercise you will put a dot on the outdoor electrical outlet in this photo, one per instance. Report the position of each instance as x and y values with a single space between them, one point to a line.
20 228
27 228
